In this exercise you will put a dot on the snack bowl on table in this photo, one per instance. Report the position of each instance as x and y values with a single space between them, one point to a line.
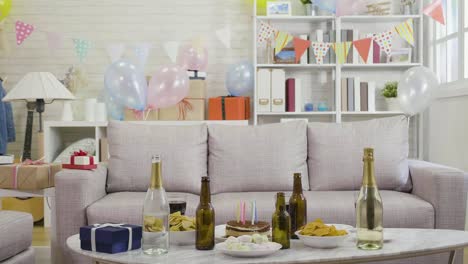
182 238
247 246
325 241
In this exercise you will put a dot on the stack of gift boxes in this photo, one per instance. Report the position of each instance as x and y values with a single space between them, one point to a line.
193 107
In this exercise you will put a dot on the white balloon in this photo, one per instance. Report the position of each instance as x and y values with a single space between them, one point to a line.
416 90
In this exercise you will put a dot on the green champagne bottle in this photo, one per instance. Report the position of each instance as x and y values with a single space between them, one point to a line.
297 206
205 218
369 209
281 222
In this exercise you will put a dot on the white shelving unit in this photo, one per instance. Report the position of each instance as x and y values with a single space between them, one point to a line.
367 22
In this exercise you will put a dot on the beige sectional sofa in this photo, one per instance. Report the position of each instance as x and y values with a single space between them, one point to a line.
16 230
253 163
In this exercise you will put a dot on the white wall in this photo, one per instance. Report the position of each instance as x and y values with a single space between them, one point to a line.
110 21
447 132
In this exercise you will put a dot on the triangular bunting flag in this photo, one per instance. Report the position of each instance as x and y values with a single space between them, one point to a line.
115 51
54 41
171 48
224 35
281 40
405 30
81 47
300 46
264 32
341 50
320 50
142 52
23 31
436 11
384 39
363 46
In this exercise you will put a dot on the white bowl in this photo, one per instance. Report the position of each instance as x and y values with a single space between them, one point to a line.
326 241
182 238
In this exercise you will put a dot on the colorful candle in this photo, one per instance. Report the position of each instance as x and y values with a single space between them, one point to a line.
253 212
243 213
238 212
256 215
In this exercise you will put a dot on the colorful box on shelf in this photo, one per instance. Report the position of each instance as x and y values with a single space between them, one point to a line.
133 115
110 238
81 161
191 108
229 108
29 175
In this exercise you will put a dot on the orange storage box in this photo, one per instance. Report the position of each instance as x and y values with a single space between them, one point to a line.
229 108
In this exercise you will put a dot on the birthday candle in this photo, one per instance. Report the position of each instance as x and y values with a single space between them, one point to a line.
256 216
238 212
253 212
243 213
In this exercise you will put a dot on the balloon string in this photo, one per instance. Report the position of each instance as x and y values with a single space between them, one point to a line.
147 114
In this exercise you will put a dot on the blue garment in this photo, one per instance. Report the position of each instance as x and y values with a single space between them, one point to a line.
7 125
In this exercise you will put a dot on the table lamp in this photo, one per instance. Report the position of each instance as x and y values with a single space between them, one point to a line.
37 89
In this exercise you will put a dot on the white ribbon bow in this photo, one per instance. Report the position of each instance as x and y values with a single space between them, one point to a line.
97 226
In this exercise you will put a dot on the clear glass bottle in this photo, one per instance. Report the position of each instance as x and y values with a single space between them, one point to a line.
369 209
281 223
205 218
297 206
156 214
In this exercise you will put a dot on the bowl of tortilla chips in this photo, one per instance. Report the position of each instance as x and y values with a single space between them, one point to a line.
316 234
182 229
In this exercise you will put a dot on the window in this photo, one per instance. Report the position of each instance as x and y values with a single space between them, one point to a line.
448 51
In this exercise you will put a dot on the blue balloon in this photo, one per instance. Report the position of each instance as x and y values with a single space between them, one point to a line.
127 84
115 110
240 78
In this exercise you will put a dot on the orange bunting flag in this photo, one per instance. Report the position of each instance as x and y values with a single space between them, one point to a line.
282 39
436 11
363 47
300 46
341 50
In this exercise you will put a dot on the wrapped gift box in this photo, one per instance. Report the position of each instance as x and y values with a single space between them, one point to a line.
191 108
131 115
28 177
81 161
7 159
229 108
111 238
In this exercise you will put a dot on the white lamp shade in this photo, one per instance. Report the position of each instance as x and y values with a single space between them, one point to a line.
39 85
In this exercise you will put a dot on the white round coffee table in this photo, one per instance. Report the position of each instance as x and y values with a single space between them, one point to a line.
403 243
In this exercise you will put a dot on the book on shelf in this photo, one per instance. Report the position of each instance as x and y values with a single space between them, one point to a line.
291 95
350 83
305 57
264 90
357 96
278 88
298 93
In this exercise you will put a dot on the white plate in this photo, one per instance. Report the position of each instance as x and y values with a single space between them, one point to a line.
220 233
272 248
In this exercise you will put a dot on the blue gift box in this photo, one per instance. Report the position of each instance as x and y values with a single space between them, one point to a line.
111 239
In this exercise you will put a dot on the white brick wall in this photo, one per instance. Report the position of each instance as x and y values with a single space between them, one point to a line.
109 21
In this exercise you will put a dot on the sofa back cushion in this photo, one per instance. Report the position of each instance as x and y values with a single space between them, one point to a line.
183 151
257 158
335 154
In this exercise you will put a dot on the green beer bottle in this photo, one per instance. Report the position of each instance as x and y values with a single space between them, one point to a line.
297 206
205 218
281 222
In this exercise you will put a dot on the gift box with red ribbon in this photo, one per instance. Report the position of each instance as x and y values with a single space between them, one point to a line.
81 161
28 175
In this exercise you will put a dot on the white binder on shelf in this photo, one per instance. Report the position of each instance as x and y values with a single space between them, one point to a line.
263 90
278 90
371 96
298 96
357 94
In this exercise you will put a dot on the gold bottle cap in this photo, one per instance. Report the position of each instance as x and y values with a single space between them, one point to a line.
297 175
205 179
369 153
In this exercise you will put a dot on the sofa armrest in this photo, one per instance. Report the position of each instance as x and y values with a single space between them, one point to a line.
445 188
75 190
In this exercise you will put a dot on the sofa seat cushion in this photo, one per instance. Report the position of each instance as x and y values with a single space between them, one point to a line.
127 207
15 233
335 154
257 158
401 210
183 150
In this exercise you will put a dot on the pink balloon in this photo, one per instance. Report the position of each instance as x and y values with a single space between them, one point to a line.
190 58
167 87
